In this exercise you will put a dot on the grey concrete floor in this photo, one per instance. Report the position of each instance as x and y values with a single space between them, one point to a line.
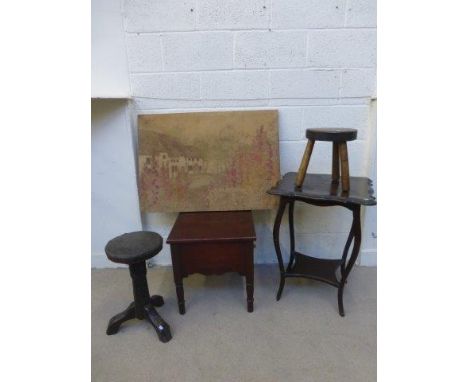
300 338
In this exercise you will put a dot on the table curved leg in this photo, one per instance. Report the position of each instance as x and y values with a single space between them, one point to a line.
346 269
276 230
291 236
346 250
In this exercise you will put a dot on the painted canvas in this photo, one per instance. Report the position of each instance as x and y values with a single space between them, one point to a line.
213 161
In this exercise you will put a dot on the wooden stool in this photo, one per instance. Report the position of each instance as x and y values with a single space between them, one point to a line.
339 137
133 249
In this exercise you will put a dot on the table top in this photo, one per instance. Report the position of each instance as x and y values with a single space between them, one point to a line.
320 187
196 227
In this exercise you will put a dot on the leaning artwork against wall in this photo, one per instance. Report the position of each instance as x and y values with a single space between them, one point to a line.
212 161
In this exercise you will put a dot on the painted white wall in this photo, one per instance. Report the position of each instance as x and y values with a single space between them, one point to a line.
114 195
109 72
313 60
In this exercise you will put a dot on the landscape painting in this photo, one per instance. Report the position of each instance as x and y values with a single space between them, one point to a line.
213 161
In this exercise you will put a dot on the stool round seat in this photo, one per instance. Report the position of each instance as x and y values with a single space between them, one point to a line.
134 247
332 135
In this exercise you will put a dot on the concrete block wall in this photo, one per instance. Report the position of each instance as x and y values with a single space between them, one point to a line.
312 60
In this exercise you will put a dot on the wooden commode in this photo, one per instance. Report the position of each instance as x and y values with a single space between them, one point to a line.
213 243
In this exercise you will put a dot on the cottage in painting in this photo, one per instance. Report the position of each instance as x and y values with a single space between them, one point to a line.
164 164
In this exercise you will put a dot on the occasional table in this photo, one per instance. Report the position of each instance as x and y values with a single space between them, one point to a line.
213 243
319 190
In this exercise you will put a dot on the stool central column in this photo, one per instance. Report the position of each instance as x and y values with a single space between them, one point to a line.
140 288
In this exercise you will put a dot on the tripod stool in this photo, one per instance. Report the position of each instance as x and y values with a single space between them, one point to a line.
339 137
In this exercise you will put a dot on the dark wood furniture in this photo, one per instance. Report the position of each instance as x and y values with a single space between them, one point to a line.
339 137
212 243
134 249
320 190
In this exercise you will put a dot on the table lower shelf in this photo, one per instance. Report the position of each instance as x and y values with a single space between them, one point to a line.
318 269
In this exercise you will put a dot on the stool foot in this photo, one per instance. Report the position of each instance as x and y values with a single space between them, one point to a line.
119 319
162 328
156 301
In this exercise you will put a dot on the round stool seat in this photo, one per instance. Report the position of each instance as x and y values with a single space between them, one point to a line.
331 135
134 247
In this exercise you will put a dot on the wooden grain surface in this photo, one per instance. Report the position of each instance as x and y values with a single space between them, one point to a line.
192 227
